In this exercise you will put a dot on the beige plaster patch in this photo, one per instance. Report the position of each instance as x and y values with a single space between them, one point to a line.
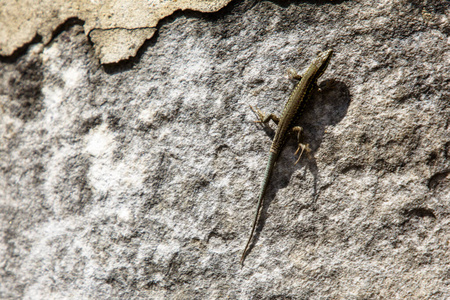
111 44
117 28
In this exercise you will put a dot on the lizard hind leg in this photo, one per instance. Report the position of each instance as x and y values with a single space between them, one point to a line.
264 118
303 147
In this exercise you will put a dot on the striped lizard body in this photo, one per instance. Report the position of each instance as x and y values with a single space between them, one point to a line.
286 123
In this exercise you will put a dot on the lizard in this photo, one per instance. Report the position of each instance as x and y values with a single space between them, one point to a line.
286 123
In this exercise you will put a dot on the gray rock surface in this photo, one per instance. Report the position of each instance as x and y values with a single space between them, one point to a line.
139 180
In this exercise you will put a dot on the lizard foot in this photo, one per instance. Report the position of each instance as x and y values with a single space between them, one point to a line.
303 147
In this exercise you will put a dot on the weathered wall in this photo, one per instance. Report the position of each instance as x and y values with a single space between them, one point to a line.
139 180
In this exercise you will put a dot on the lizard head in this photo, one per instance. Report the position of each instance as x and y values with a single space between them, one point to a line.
322 60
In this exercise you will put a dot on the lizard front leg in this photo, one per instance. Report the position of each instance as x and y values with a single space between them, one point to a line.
292 74
265 118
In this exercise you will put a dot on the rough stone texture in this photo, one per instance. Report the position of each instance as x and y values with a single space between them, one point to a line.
118 28
139 180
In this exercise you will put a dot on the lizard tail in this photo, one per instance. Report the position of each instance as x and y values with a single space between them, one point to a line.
269 168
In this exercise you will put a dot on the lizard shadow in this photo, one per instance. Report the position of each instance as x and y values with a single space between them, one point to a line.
326 108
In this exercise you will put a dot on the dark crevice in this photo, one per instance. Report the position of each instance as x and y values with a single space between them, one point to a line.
65 26
22 50
420 212
438 179
19 52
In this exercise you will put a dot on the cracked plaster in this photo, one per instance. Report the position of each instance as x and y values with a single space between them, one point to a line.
117 28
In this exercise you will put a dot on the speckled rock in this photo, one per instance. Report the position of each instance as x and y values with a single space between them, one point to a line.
139 180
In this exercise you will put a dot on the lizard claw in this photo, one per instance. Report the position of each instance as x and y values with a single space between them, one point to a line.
258 113
303 147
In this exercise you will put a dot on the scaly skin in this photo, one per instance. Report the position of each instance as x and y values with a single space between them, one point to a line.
291 112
